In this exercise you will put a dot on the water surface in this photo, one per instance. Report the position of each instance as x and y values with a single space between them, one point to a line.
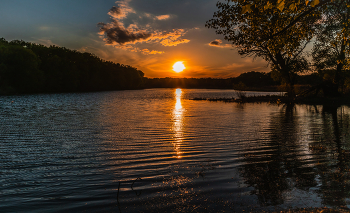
156 150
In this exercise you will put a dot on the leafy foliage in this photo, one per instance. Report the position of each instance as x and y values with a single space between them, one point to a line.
282 5
332 47
254 32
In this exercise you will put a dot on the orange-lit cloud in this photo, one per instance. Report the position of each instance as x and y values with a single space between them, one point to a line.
163 17
170 38
158 18
153 52
218 43
116 34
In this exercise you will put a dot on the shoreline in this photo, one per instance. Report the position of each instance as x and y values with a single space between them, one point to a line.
276 99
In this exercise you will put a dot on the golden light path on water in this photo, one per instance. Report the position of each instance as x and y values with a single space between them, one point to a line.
178 123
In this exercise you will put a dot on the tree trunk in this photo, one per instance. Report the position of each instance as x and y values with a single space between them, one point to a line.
340 60
286 75
291 91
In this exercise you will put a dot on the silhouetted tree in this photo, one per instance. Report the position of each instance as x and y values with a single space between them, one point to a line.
332 47
251 33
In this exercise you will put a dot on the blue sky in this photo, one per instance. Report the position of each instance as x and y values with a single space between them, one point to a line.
150 35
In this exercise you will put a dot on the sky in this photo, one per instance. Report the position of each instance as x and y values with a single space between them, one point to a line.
150 35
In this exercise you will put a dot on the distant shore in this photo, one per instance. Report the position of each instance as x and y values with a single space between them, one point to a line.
277 99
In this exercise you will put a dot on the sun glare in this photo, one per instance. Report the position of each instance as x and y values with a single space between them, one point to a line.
179 66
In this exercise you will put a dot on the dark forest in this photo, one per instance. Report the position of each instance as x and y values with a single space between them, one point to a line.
33 68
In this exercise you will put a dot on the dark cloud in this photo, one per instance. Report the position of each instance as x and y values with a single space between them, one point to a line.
218 43
115 11
215 43
116 33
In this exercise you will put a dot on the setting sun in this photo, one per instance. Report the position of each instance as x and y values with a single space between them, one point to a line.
179 66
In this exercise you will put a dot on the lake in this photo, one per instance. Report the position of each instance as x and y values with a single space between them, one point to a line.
156 150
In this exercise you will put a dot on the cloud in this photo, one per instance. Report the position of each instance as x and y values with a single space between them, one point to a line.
153 52
163 17
115 12
218 43
116 34
122 10
170 38
157 18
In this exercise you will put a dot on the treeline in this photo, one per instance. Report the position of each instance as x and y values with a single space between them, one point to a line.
258 81
194 83
33 68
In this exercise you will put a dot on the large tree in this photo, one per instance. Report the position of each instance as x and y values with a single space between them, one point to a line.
332 47
255 32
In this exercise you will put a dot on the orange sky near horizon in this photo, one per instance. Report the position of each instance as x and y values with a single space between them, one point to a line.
150 35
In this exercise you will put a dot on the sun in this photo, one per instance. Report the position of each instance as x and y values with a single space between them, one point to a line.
179 66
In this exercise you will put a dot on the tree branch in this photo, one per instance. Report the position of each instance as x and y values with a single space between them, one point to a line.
300 17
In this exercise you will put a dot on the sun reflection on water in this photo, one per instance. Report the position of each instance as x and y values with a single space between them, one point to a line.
178 123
